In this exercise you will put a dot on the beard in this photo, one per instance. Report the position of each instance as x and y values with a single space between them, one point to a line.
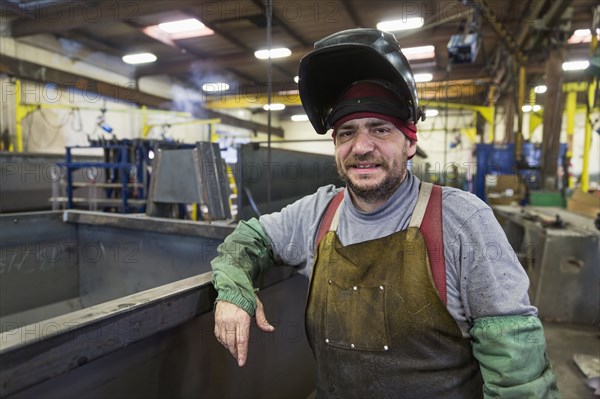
368 192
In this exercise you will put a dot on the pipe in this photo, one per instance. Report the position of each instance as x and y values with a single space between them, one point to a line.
520 100
492 105
20 114
571 108
587 141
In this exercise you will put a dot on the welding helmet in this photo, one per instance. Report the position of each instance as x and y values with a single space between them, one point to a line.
346 57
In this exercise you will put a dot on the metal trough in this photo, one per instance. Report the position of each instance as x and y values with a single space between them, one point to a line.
560 260
97 305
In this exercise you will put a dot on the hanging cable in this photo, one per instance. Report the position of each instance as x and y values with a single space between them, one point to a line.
269 16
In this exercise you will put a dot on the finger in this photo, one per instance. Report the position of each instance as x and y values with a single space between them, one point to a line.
261 318
230 339
242 333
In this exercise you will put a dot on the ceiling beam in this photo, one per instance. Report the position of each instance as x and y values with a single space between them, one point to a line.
44 74
227 61
283 25
56 17
465 90
351 10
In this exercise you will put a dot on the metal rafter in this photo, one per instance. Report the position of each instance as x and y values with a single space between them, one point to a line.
283 25
351 10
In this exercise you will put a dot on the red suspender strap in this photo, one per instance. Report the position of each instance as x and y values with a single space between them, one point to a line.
328 216
431 229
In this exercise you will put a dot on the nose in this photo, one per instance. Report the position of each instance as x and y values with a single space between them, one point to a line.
363 142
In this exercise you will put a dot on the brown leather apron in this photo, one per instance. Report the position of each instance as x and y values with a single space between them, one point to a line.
377 325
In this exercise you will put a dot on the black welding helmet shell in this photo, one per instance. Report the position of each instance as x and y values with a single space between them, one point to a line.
345 57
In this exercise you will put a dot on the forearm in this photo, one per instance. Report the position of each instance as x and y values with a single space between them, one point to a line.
511 351
241 259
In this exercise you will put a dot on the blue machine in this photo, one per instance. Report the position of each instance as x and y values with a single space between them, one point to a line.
123 170
499 159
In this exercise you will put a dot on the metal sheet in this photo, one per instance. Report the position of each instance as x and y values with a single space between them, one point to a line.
192 176
186 361
27 180
214 181
293 174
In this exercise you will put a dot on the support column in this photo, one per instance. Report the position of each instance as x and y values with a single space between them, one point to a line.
553 110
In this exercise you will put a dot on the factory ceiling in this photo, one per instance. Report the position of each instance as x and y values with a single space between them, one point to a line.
508 32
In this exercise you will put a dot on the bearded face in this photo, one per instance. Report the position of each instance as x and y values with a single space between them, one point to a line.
372 178
371 157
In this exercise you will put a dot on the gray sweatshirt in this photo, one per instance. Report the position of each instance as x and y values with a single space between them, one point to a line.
483 275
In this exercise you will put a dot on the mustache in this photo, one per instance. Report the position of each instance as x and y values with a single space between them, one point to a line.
355 159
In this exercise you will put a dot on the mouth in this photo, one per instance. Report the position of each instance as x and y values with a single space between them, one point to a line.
365 167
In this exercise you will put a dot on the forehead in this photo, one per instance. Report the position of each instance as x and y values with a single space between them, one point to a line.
368 122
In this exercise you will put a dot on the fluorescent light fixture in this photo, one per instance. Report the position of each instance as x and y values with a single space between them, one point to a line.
541 89
423 77
536 108
288 92
575 65
274 107
401 24
430 113
419 53
582 36
582 32
214 87
139 58
526 108
299 118
273 53
296 78
184 25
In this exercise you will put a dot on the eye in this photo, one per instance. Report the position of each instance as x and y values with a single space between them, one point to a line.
381 130
345 134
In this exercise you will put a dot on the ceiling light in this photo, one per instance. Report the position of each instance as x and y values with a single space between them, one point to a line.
419 53
526 108
140 58
423 77
299 118
536 108
213 87
575 65
273 53
582 32
184 25
274 107
430 113
582 36
289 92
541 89
401 24
296 78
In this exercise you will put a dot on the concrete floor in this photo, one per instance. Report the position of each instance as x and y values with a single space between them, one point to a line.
563 341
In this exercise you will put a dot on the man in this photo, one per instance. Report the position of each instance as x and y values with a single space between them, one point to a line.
414 290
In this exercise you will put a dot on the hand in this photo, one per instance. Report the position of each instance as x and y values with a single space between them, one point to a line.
232 327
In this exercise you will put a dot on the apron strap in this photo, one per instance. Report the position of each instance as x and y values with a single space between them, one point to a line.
422 201
328 217
432 232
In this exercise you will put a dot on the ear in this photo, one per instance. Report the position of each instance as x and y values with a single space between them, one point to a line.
412 148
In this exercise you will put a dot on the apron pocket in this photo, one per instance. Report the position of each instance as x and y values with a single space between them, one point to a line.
355 318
